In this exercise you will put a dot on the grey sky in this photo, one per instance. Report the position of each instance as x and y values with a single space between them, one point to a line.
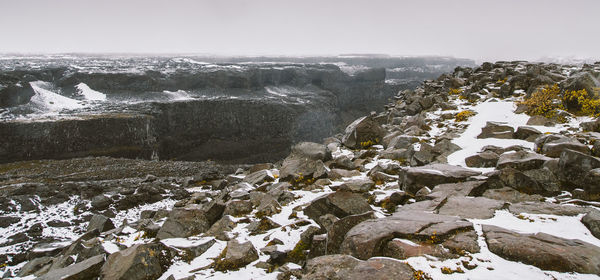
479 29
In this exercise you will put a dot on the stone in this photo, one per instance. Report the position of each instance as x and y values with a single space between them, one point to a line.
35 265
509 194
340 267
574 168
527 133
366 239
545 208
415 178
237 207
592 221
86 269
541 121
338 229
237 255
340 204
521 160
298 169
362 133
357 185
262 226
556 147
544 251
401 142
484 159
343 162
101 202
470 207
140 261
194 248
184 223
101 223
259 177
496 130
311 150
340 173
221 228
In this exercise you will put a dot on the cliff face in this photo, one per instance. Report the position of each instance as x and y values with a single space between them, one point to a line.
233 113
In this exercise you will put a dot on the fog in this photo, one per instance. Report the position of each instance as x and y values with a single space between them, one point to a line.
482 30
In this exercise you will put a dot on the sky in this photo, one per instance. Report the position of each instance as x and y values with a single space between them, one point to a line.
477 29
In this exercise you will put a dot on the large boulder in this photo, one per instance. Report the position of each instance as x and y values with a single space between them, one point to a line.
186 222
544 251
574 169
362 133
341 267
470 207
100 223
368 239
415 178
339 204
140 261
583 80
592 221
556 147
236 255
337 231
527 133
483 159
87 269
521 160
305 162
496 130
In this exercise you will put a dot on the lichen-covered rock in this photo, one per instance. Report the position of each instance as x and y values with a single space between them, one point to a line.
236 255
363 133
184 223
140 261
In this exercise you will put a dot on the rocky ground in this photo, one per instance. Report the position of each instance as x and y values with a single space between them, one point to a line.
453 181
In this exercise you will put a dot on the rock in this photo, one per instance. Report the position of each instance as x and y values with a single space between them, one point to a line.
195 248
592 221
259 166
184 223
259 177
368 238
6 221
237 207
540 120
101 202
431 175
471 207
340 204
221 228
582 80
339 173
140 261
87 269
527 133
521 160
35 266
339 267
510 195
337 231
556 147
546 208
593 126
318 246
262 226
343 162
236 255
401 142
357 185
574 168
484 159
298 169
496 130
544 251
101 223
268 207
546 179
362 133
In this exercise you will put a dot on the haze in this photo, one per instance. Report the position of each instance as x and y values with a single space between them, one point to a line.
492 30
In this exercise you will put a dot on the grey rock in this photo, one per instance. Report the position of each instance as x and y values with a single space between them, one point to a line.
237 207
340 267
101 223
357 185
592 221
471 207
527 133
415 178
221 228
484 159
361 131
496 130
340 204
140 261
337 231
259 177
521 160
87 269
184 223
556 147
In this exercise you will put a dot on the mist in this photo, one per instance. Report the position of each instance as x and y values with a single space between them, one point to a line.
481 30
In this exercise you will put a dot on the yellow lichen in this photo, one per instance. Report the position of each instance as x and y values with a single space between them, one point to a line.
464 115
455 91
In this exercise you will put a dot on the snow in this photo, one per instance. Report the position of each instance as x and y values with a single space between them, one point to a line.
47 100
178 95
90 94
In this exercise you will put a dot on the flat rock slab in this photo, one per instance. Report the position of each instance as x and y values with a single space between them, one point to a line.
342 267
431 175
471 207
339 204
536 207
544 251
87 269
521 160
368 238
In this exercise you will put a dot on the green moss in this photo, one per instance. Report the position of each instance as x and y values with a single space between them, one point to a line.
298 254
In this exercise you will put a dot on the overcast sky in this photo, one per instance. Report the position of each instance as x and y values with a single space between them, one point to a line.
479 29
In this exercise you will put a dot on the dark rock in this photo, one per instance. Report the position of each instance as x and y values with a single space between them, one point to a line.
195 248
540 120
339 267
35 265
357 185
6 221
521 160
574 168
484 159
470 207
362 133
101 223
527 133
340 204
184 223
101 202
592 221
87 269
509 194
337 231
544 251
259 177
262 226
237 207
496 130
556 147
140 261
431 175
221 228
237 255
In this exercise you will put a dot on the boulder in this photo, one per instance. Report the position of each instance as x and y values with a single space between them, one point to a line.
184 223
357 185
101 223
236 255
541 121
340 267
259 177
368 238
527 133
362 133
592 221
484 159
496 130
101 202
236 207
221 228
509 194
87 269
574 168
339 204
582 80
415 178
140 261
555 147
521 160
401 142
337 231
470 207
544 251
311 150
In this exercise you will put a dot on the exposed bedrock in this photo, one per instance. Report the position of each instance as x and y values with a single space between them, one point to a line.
256 115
